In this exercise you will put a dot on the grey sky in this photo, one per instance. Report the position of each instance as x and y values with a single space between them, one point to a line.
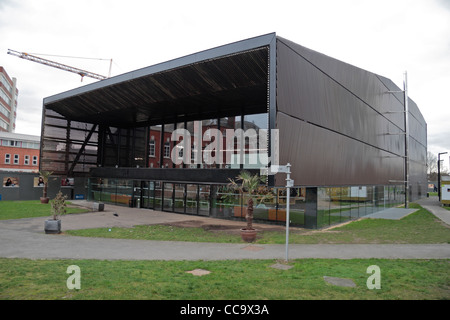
386 37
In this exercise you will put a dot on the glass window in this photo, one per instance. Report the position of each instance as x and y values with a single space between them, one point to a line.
232 137
225 202
179 197
7 158
152 148
256 140
16 159
168 196
194 159
212 144
191 198
323 207
35 160
26 160
167 146
204 203
158 194
167 150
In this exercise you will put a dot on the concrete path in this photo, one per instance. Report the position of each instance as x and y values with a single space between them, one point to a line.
432 204
24 238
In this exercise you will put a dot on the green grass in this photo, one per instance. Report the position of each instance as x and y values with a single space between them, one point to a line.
158 232
29 209
418 227
23 279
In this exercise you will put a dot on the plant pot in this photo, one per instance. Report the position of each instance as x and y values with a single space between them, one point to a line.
248 235
44 200
52 226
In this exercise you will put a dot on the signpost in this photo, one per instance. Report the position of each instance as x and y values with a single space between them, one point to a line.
289 184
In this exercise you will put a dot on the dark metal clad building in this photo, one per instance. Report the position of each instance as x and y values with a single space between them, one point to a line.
343 130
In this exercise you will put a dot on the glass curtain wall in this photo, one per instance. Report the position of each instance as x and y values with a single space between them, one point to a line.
340 204
204 193
179 197
124 147
256 131
249 136
192 198
334 204
277 212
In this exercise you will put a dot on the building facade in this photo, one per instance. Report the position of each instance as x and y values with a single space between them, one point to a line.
19 152
170 136
8 102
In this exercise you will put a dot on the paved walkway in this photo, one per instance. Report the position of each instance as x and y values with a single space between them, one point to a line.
432 204
24 238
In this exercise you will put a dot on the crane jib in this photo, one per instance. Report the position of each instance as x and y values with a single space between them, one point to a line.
82 73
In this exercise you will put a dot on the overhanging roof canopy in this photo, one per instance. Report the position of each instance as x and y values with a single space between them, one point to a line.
220 81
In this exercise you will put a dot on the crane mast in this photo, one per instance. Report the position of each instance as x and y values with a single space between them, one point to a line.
82 73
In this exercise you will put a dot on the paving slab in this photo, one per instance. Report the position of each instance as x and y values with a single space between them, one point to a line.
340 282
391 213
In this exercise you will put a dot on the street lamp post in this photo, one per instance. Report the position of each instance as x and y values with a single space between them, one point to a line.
439 174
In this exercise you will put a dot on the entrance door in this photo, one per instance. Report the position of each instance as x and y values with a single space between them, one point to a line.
137 194
191 198
168 196
180 197
158 195
204 200
148 194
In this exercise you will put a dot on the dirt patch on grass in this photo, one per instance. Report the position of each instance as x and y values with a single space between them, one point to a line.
223 227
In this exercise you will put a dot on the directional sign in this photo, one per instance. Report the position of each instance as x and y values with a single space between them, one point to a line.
280 169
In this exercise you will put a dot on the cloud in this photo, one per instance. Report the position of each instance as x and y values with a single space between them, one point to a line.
385 37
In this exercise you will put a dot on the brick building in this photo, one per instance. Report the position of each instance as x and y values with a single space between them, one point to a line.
19 152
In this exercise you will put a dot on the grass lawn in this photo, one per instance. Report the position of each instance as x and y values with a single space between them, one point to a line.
23 279
418 227
29 209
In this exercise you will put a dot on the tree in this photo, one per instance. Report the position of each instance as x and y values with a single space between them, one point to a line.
252 187
431 163
45 176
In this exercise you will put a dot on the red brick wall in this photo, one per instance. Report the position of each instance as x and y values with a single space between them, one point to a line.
21 152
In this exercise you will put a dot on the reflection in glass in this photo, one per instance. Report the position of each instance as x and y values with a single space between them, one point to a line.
256 152
225 203
191 198
179 199
204 203
158 195
168 196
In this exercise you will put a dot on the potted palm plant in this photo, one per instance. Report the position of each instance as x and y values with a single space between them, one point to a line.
251 187
58 206
45 175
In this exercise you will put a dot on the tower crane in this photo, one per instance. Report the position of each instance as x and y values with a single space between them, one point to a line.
82 73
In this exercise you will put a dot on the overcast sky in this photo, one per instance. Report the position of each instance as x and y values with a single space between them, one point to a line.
387 37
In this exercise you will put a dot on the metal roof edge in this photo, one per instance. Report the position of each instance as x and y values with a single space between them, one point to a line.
223 50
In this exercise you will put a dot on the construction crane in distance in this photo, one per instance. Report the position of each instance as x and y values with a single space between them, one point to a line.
82 73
